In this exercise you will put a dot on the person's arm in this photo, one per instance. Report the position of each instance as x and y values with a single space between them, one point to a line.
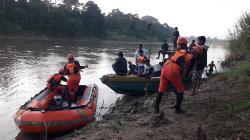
190 66
215 66
79 66
117 60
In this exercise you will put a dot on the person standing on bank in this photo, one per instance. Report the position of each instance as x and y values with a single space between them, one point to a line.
120 65
176 35
164 49
174 69
200 56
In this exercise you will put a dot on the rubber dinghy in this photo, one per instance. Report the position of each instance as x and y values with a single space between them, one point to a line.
40 114
135 86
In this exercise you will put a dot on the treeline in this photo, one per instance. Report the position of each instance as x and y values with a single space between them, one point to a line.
239 39
75 20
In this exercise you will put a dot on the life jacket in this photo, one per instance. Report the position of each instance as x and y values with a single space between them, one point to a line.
54 80
178 60
72 68
141 59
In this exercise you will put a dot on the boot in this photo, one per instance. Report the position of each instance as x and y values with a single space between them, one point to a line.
179 98
157 102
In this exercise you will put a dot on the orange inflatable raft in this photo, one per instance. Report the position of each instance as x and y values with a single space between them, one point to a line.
40 114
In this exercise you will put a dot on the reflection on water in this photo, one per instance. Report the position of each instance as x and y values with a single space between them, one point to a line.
26 65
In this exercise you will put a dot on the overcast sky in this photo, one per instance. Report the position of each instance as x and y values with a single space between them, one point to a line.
192 17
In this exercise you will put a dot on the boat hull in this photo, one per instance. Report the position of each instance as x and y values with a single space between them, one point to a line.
135 86
60 120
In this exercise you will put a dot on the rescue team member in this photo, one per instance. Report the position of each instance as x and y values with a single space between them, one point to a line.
54 81
174 69
200 56
72 69
140 63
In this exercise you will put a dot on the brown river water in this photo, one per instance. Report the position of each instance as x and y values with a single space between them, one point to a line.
25 65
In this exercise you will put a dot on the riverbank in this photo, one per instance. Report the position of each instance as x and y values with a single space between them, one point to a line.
220 111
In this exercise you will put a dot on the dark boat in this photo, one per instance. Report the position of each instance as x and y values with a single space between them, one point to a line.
135 86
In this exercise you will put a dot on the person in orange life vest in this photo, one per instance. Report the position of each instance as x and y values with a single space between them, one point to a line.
54 81
140 63
200 56
174 69
72 69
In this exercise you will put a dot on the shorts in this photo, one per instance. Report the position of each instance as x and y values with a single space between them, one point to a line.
197 74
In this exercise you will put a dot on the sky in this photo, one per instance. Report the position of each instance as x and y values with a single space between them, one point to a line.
193 17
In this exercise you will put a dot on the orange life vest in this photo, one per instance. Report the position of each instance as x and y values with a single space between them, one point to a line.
180 60
56 78
178 54
71 68
141 59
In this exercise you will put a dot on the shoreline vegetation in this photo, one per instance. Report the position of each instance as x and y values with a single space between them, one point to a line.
220 111
72 19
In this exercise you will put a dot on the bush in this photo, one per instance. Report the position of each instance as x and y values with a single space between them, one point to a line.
239 39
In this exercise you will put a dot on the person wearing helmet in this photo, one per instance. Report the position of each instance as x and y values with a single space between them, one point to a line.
72 69
54 81
200 56
174 69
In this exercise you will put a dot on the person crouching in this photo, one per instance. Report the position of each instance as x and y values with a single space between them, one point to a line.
53 83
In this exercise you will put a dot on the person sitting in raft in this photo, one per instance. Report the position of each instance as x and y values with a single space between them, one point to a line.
72 69
132 68
53 83
140 63
211 67
137 54
120 65
164 49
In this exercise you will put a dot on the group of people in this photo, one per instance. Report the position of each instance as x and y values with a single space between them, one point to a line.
179 65
142 67
180 62
72 69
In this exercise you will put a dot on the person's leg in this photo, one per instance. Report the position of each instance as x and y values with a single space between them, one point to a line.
159 52
177 83
163 54
162 87
194 81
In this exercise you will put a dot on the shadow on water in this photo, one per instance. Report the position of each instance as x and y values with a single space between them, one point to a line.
26 65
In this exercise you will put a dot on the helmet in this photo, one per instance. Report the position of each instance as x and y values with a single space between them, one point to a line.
181 41
70 56
61 71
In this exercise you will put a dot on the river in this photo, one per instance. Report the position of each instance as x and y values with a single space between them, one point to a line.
27 63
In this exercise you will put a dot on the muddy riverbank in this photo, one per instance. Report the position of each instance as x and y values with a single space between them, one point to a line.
220 111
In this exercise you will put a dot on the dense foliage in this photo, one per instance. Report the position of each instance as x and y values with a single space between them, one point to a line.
65 20
239 38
